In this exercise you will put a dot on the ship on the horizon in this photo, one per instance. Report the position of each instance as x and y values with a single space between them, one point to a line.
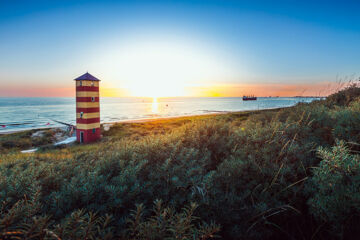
249 98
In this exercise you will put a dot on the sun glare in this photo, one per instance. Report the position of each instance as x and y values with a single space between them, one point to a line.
155 106
154 69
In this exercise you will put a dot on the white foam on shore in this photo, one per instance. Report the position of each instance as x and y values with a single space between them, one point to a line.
66 141
29 151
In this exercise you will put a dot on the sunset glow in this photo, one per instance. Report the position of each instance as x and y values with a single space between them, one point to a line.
180 119
162 69
155 106
147 49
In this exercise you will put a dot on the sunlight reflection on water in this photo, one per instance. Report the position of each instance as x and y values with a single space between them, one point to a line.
155 106
27 113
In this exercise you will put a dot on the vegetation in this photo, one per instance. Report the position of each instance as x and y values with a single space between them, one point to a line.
27 139
292 173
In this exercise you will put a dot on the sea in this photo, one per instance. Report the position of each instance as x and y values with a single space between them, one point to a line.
18 114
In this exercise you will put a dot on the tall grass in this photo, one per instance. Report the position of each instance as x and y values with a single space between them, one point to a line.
237 176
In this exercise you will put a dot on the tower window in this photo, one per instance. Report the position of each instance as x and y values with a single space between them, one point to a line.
80 83
94 130
81 114
93 99
92 83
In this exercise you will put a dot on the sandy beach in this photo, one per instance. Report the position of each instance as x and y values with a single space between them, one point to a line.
142 120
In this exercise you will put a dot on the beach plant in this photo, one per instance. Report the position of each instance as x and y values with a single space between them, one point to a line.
252 175
336 184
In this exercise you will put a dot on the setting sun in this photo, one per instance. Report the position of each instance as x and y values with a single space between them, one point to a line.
162 69
179 119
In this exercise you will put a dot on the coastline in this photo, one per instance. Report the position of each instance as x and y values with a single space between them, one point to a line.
144 120
139 120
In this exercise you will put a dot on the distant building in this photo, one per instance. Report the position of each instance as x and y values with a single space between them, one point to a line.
87 108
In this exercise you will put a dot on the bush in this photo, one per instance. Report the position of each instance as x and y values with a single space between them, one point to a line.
259 178
345 96
336 185
23 222
165 223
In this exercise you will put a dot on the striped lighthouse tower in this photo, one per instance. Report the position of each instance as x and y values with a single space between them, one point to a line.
87 108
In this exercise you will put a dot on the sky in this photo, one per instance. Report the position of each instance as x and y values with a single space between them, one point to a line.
178 48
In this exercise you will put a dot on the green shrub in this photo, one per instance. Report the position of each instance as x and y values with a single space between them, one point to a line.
345 96
253 174
165 223
23 221
336 187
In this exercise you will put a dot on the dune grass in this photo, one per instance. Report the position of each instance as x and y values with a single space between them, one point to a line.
23 140
277 174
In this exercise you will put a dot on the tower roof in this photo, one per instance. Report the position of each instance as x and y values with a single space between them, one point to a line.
87 76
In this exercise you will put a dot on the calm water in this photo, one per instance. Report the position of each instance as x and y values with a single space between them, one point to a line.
27 113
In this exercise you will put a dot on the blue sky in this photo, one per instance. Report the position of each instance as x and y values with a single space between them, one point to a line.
48 43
